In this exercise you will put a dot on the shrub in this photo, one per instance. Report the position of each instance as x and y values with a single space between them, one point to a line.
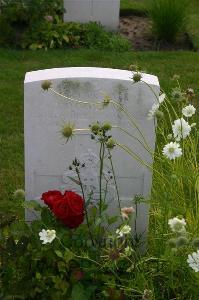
168 17
17 17
75 35
23 25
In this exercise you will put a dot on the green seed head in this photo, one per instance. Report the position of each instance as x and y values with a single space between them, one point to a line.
19 194
106 126
46 85
137 77
181 241
110 144
196 242
95 128
67 130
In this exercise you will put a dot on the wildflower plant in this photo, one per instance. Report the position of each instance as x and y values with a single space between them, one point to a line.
77 250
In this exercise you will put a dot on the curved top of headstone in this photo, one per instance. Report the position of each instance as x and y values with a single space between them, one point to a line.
79 72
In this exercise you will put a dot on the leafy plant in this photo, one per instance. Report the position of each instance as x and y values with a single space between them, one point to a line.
168 17
75 35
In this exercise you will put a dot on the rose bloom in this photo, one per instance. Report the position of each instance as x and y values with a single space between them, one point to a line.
68 208
126 212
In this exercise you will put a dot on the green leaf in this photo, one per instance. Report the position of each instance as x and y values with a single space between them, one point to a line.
59 254
66 38
112 220
78 292
68 255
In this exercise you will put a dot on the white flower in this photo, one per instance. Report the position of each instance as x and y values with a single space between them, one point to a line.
172 150
193 261
128 251
181 129
152 112
177 225
126 229
47 236
189 111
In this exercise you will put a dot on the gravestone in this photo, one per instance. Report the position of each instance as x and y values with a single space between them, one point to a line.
104 11
48 157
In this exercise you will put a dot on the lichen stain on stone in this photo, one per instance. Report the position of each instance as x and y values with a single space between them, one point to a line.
74 88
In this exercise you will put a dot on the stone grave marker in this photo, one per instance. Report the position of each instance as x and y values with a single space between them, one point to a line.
104 11
48 157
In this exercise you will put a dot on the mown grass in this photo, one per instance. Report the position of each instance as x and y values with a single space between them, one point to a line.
139 7
14 65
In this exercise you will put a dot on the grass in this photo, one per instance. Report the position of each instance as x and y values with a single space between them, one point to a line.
138 7
16 63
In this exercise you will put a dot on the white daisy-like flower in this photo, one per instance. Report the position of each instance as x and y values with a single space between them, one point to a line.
181 129
193 261
126 229
177 225
152 112
188 111
172 150
47 236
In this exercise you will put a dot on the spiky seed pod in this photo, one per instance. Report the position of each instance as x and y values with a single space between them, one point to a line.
19 194
67 130
46 85
137 77
95 128
106 126
110 144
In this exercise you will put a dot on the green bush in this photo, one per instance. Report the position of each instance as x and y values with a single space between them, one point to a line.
17 17
75 35
23 25
168 17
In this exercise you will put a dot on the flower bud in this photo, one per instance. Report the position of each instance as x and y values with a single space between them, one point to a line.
106 126
159 114
95 128
137 77
46 85
181 241
133 68
67 130
169 137
19 194
110 144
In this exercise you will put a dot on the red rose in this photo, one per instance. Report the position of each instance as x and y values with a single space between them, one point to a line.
68 208
51 197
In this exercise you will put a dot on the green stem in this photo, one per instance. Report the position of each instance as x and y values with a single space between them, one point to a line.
114 177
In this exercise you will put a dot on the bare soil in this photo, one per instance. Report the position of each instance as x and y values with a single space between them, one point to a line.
139 31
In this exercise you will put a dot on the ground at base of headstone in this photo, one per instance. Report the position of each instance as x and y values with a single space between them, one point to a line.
138 30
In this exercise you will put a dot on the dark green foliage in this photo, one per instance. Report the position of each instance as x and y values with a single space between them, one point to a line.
37 24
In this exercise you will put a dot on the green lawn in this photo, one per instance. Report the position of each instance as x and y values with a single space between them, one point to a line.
139 6
14 65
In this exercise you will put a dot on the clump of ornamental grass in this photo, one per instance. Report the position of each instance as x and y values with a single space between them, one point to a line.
168 18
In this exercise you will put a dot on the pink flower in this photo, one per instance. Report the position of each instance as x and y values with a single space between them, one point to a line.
126 212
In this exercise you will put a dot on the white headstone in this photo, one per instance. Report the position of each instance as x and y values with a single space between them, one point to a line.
48 157
104 11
